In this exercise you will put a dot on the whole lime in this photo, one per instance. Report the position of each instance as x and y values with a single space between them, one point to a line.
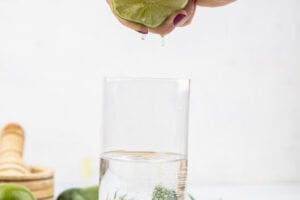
15 192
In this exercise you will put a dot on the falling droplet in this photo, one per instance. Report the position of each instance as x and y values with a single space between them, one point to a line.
162 42
143 36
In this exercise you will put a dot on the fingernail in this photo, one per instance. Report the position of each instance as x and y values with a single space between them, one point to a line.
178 18
143 32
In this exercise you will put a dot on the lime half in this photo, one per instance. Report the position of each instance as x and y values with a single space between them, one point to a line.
151 13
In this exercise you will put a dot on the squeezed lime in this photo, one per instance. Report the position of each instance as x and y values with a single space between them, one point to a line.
150 13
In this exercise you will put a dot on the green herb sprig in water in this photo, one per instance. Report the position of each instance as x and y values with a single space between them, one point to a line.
161 193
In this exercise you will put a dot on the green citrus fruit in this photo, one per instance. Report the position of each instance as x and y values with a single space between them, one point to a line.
151 13
15 192
90 193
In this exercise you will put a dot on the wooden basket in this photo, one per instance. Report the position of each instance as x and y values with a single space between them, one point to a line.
39 180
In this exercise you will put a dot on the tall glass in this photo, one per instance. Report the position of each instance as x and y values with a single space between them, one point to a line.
144 142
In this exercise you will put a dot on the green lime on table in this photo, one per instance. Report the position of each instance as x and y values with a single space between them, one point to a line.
15 192
89 193
151 13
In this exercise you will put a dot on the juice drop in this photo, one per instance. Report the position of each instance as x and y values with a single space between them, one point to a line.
143 36
162 42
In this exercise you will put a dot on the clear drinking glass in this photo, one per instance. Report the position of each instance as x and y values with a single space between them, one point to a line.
144 142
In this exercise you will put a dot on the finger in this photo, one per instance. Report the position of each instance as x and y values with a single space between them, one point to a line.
191 10
213 3
180 18
137 27
162 30
110 4
170 24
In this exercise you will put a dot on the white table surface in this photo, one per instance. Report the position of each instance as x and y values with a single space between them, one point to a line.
236 192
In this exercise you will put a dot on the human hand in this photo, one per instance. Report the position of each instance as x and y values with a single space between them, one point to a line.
178 19
213 3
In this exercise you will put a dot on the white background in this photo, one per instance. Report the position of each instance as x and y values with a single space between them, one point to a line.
243 59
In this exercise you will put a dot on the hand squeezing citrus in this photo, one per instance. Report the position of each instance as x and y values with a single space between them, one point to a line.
150 13
158 16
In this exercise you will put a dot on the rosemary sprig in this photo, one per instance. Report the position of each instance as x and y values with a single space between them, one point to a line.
162 193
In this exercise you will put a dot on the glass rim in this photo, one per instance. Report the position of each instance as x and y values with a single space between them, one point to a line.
128 78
